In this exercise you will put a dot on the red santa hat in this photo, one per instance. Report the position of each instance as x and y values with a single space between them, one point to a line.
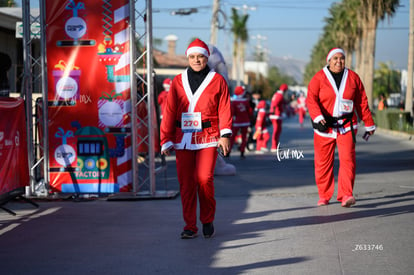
166 84
198 46
167 81
239 90
333 52
283 87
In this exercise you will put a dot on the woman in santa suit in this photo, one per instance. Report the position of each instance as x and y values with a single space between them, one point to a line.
242 113
162 97
262 134
196 120
301 108
276 110
335 94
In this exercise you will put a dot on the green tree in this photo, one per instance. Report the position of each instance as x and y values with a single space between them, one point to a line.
386 80
240 37
318 56
269 85
7 3
352 25
369 14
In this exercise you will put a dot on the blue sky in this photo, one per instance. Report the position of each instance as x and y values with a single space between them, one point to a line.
291 27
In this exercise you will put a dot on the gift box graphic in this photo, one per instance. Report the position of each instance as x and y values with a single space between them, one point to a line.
67 81
110 57
110 110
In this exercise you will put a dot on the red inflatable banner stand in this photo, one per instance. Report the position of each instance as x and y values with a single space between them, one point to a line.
14 166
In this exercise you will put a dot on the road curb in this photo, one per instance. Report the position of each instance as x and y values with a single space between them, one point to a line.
402 135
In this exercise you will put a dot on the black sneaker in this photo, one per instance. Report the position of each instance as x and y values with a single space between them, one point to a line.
208 230
188 234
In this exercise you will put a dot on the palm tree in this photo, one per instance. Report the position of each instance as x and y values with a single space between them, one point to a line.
240 34
369 14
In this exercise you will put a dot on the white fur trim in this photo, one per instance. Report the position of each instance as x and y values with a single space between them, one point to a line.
201 50
333 52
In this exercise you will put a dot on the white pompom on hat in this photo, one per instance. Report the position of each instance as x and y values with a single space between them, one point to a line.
333 52
198 46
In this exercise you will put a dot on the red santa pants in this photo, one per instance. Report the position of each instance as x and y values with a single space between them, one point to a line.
243 132
262 139
195 171
277 130
301 114
324 165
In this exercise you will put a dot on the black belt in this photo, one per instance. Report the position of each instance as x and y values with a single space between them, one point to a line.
332 122
204 124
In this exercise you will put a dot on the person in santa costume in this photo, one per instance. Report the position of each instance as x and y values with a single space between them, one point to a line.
162 97
197 119
261 134
276 110
242 112
335 95
301 108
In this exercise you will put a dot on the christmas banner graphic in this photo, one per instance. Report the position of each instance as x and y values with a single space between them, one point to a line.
89 101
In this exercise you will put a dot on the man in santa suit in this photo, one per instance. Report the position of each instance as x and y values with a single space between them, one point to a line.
242 112
162 97
197 119
335 94
276 110
261 134
301 108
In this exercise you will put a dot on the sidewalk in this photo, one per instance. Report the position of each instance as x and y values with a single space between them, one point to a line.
267 222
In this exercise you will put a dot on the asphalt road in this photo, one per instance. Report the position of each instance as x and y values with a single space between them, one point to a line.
267 221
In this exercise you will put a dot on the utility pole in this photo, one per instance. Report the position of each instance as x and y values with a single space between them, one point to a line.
214 23
259 48
260 52
409 93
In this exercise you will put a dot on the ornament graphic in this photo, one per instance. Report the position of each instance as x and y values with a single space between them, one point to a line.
110 110
64 154
67 80
75 27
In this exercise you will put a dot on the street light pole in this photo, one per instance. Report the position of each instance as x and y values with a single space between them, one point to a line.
245 8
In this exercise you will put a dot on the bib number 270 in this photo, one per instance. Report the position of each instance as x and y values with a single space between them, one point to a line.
191 122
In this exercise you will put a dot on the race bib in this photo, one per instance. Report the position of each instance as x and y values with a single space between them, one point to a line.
191 122
346 106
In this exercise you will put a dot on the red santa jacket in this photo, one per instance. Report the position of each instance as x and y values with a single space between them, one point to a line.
162 98
276 105
241 111
261 119
212 99
301 103
325 99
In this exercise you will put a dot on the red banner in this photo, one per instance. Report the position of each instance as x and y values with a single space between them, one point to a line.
14 166
89 103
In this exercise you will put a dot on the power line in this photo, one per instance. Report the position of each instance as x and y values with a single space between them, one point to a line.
266 29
